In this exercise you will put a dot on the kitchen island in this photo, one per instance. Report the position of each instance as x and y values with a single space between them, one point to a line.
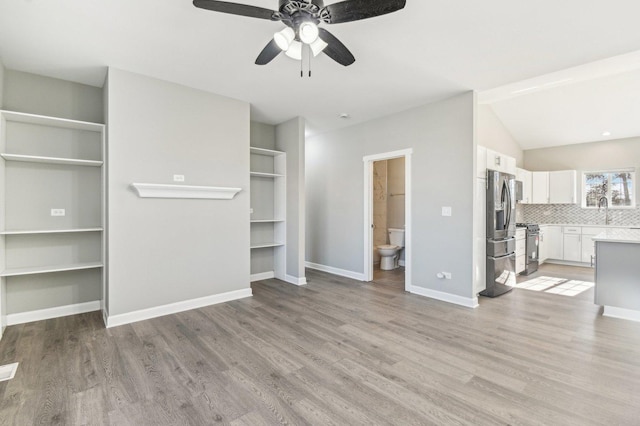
617 276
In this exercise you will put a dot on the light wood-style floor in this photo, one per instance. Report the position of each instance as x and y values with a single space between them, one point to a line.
334 352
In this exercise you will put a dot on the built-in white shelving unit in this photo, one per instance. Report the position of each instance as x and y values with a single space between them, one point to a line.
52 221
268 217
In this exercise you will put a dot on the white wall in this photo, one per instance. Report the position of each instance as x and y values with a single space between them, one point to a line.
491 133
442 137
163 251
290 138
395 201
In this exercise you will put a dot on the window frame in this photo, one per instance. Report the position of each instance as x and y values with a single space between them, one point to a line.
630 170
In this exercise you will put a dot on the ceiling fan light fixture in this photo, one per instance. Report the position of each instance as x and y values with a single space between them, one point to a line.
284 38
295 50
318 46
308 32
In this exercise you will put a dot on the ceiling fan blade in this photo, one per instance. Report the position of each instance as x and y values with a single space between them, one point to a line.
236 9
355 10
270 51
335 49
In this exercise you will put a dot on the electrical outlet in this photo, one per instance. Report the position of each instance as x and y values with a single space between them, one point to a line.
57 212
250 211
447 275
178 178
446 211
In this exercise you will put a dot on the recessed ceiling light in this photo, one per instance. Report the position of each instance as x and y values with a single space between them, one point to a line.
345 116
605 133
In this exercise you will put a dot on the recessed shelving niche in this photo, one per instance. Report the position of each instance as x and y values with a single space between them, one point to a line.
51 163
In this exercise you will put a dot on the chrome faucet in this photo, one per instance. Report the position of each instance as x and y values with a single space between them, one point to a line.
603 201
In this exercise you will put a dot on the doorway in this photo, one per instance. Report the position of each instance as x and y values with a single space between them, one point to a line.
385 200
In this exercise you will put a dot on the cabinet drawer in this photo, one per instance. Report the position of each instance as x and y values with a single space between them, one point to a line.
572 230
520 247
521 233
592 230
521 262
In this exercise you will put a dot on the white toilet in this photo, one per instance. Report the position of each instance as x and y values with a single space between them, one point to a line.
390 253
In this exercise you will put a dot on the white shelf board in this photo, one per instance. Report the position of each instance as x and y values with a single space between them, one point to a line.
266 245
266 152
50 160
155 190
21 117
266 175
49 231
267 220
12 272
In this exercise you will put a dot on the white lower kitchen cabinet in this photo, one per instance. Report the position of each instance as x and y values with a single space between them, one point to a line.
588 245
543 248
554 242
521 253
572 247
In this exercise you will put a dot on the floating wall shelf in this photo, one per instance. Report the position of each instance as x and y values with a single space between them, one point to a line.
154 190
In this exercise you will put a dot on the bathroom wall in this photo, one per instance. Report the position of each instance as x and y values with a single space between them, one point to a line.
396 197
380 195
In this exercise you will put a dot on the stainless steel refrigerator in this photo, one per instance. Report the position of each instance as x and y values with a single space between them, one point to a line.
501 231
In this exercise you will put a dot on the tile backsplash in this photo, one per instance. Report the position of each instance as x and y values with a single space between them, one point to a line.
574 214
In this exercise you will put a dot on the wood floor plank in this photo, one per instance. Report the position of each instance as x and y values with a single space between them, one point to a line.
334 352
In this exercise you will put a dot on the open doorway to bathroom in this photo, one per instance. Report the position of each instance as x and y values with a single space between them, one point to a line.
388 218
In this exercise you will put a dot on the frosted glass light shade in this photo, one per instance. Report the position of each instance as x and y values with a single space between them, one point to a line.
318 46
295 50
284 38
308 32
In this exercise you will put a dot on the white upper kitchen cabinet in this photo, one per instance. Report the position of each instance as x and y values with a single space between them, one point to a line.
562 187
539 187
500 162
525 176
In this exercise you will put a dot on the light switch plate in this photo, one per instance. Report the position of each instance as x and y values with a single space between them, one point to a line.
57 212
446 211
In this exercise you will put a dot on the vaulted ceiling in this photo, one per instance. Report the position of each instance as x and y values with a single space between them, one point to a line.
427 51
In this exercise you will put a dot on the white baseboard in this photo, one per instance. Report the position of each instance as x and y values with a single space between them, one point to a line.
263 276
172 308
295 280
621 313
336 271
467 302
58 311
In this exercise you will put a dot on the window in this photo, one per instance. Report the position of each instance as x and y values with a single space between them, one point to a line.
616 186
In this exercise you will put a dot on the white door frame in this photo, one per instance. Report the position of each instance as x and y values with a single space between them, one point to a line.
368 211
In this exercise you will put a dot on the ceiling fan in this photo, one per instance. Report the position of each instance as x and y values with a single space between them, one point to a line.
302 18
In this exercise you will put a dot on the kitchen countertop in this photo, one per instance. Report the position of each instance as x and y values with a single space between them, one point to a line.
593 225
613 235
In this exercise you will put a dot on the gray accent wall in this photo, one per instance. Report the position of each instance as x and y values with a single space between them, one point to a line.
163 251
36 94
491 133
442 137
290 138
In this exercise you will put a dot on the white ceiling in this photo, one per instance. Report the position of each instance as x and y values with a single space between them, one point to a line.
428 51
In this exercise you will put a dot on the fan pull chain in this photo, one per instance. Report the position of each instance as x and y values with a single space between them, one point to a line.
309 50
